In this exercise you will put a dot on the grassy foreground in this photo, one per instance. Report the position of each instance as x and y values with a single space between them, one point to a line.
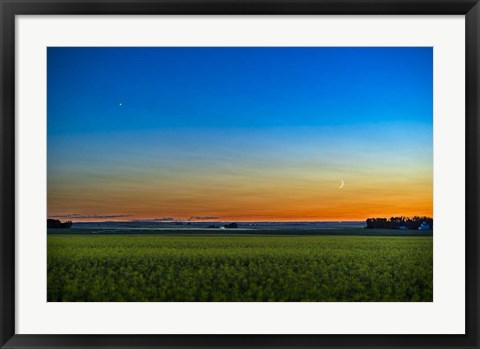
239 268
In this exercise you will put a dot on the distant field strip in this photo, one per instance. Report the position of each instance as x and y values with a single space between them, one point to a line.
276 231
219 268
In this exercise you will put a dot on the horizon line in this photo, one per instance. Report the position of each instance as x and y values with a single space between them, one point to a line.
227 221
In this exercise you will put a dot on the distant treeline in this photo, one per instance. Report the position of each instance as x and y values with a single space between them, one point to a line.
414 223
55 223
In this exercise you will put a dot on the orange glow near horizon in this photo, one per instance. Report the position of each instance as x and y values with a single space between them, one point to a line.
247 195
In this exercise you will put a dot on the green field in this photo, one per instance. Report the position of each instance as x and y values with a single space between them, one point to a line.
237 268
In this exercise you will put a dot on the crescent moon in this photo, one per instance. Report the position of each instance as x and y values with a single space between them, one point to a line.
341 185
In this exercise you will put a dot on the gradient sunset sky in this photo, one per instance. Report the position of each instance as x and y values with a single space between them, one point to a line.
239 134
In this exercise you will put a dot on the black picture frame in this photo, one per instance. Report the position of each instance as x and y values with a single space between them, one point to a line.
10 8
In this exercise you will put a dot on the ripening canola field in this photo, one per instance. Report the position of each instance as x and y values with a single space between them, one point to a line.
239 268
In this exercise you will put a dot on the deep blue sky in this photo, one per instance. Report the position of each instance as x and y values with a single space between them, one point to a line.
234 87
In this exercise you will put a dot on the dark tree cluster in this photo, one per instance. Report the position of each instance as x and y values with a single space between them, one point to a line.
231 226
400 223
55 223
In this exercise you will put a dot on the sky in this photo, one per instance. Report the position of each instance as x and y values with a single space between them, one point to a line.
239 134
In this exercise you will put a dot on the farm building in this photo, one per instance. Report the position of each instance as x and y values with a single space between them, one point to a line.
424 226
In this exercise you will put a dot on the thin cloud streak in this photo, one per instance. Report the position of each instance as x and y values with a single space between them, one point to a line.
80 216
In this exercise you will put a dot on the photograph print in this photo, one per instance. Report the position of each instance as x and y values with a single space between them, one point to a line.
239 174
